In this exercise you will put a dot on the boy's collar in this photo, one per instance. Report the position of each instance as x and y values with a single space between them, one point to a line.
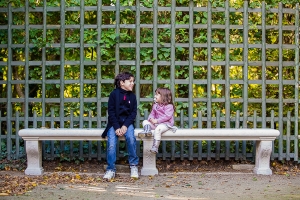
122 90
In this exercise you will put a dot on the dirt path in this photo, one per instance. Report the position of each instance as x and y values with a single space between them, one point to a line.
176 186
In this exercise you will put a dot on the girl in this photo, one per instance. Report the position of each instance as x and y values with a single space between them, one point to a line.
161 117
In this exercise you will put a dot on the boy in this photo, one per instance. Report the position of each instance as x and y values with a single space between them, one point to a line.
122 109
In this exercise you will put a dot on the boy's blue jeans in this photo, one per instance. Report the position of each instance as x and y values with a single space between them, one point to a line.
111 147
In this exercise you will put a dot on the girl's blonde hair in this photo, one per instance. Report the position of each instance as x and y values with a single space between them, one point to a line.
166 96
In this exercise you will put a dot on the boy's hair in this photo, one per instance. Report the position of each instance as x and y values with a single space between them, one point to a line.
122 77
166 95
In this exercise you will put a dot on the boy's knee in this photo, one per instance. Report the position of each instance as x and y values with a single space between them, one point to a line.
131 140
110 147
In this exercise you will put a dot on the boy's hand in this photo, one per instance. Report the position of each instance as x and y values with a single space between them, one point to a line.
118 132
123 130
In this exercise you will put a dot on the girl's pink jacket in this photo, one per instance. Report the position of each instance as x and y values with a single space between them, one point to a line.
163 114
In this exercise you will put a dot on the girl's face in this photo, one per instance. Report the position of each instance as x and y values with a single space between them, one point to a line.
157 98
127 84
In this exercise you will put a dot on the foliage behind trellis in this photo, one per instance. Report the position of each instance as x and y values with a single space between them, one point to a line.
217 57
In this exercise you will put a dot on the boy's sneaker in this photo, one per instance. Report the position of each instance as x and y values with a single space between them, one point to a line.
134 172
109 174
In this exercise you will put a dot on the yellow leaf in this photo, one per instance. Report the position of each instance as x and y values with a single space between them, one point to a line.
4 194
77 176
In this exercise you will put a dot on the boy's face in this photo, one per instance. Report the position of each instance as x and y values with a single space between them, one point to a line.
127 84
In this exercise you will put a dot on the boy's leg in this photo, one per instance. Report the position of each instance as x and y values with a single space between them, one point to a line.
111 149
133 159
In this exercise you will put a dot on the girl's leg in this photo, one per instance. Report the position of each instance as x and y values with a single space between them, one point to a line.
153 127
147 129
160 129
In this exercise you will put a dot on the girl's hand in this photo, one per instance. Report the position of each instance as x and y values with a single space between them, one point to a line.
153 121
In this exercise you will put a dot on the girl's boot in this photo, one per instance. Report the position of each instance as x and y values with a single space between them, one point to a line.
155 146
147 129
149 133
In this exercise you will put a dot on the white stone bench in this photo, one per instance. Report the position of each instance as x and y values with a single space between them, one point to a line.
263 138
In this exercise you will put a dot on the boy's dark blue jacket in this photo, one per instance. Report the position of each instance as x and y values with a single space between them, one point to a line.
122 109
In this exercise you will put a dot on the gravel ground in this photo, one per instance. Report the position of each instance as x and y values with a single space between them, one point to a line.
177 180
176 186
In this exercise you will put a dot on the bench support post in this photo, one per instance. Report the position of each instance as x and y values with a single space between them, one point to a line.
149 159
262 157
34 158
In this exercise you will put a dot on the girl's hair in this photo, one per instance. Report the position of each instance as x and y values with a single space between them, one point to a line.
166 96
122 77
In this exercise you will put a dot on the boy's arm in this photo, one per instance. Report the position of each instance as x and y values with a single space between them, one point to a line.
130 119
112 116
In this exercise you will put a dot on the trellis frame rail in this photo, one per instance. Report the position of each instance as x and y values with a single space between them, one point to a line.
12 121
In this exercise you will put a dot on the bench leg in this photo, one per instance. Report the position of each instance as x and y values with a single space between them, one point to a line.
149 159
34 158
262 157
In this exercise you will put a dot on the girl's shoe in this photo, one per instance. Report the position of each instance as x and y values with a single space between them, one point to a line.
149 134
155 146
147 129
142 134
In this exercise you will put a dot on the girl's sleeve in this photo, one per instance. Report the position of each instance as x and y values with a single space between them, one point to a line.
151 113
167 115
